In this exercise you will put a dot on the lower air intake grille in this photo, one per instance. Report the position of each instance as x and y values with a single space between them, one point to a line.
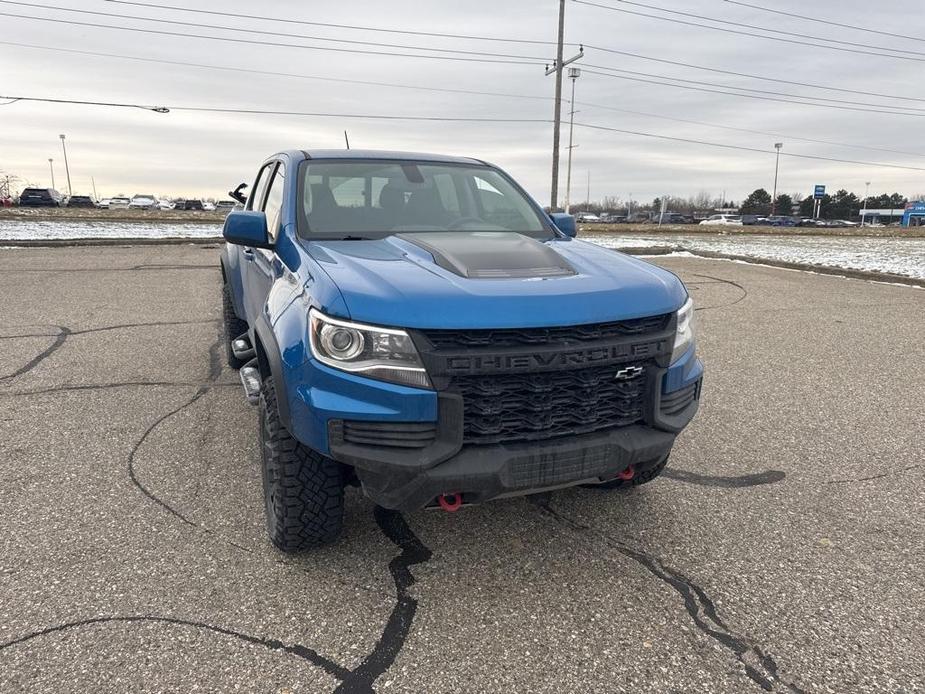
535 406
675 402
392 434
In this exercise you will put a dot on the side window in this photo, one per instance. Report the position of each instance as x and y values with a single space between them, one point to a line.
259 187
274 202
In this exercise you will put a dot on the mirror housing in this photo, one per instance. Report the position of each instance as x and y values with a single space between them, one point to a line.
237 195
565 223
247 228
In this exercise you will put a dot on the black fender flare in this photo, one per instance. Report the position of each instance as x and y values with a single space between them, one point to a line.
270 360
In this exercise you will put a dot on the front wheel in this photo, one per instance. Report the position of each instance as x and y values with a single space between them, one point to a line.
303 490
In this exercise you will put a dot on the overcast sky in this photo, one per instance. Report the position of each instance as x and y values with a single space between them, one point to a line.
204 154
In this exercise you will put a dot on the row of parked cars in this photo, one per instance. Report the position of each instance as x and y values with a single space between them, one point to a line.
49 197
773 221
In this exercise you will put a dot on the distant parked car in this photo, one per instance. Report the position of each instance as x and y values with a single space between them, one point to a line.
226 205
119 203
104 203
613 219
587 218
188 205
673 218
722 220
41 197
208 207
143 202
781 221
165 205
80 201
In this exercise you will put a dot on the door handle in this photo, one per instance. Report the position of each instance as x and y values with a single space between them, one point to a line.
248 253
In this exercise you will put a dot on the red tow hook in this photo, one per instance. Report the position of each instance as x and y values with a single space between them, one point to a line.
627 474
450 502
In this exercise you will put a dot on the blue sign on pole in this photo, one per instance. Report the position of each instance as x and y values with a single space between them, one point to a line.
819 192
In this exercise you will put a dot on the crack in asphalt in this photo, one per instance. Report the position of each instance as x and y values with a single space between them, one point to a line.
723 281
759 666
752 480
118 384
880 476
398 625
61 337
297 650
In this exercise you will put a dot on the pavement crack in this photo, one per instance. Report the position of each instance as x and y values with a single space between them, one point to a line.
297 650
724 281
760 667
735 482
63 333
879 476
398 625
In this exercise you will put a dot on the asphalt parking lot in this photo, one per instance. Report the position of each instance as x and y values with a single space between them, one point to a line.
783 551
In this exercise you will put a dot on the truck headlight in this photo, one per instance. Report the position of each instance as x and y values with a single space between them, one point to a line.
684 337
384 353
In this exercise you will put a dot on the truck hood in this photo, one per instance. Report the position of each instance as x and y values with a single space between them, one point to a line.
398 281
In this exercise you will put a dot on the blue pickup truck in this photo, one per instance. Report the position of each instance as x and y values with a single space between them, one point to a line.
417 326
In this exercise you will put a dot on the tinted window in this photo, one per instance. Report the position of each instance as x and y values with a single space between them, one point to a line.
275 201
377 198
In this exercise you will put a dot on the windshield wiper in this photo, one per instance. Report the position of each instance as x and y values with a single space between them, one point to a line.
350 237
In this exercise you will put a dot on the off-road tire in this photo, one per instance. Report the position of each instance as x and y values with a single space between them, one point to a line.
232 327
303 490
640 478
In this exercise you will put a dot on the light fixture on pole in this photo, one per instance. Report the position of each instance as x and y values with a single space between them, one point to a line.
573 74
777 146
66 169
864 211
51 166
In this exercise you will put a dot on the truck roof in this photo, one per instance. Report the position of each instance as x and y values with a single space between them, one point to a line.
387 155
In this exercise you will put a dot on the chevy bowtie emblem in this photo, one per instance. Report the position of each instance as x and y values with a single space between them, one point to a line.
628 373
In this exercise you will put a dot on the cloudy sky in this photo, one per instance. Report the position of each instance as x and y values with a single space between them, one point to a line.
195 153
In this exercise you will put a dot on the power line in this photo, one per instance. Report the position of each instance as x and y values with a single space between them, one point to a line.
336 80
829 22
270 73
14 99
746 33
748 96
379 116
159 32
287 20
750 131
758 91
747 149
177 22
270 112
763 28
748 75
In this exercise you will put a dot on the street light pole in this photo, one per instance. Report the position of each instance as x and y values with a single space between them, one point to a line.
573 73
777 146
52 167
66 169
864 211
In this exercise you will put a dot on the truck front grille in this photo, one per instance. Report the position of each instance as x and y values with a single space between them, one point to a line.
534 406
566 335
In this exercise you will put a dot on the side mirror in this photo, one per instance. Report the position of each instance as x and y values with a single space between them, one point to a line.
247 228
564 223
237 195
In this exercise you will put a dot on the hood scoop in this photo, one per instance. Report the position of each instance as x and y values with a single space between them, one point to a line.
491 254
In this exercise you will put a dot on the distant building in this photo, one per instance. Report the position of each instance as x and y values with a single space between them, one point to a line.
914 214
884 216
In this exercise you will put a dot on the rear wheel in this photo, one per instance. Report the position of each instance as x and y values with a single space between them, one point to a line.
232 327
303 490
647 475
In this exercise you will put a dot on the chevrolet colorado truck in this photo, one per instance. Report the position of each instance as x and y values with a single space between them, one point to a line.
416 325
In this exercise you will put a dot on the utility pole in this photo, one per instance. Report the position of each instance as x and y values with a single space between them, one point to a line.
51 166
557 115
93 183
777 146
866 195
573 74
588 198
66 169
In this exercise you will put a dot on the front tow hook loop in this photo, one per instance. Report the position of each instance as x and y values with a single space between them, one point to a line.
627 474
450 502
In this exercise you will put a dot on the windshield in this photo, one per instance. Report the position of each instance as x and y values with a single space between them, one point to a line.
377 198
